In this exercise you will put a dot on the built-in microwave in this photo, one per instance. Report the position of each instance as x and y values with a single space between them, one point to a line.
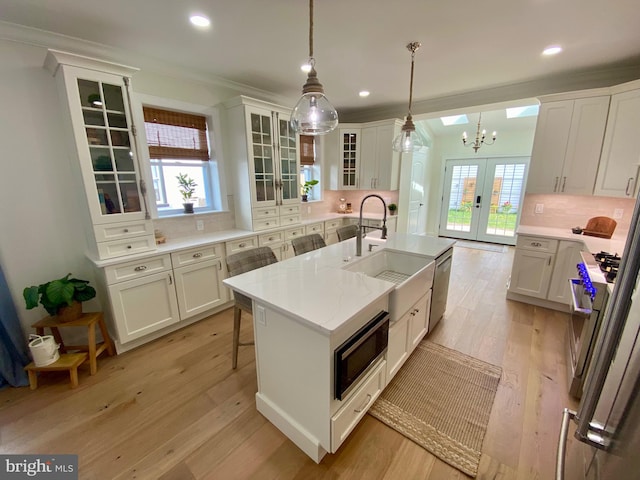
359 353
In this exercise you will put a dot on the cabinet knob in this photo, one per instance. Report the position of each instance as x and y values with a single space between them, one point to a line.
197 255
129 246
126 230
140 268
242 245
270 239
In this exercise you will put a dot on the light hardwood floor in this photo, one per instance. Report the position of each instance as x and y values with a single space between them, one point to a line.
174 409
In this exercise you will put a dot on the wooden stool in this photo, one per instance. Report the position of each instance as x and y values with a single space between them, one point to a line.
89 320
67 361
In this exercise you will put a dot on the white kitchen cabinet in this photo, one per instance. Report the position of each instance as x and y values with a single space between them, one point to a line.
532 266
245 243
264 150
146 301
419 321
102 138
567 257
290 234
342 158
567 145
618 171
330 230
274 240
317 227
198 279
379 163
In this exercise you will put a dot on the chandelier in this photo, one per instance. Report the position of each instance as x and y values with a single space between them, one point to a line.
313 114
480 137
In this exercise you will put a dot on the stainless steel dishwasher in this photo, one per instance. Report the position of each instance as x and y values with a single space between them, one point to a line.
440 287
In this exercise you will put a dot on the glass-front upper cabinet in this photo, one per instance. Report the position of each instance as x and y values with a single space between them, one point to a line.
289 176
109 142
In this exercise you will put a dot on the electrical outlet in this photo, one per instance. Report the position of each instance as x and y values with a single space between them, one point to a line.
618 213
539 208
199 225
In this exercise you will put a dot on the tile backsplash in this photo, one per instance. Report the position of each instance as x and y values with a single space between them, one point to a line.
331 200
566 211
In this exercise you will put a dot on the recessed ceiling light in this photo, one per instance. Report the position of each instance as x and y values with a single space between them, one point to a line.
200 20
552 50
306 67
364 93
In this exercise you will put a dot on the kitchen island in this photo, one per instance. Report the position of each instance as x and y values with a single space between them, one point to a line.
304 308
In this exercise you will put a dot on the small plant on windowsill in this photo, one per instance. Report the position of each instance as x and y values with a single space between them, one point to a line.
187 186
393 208
306 189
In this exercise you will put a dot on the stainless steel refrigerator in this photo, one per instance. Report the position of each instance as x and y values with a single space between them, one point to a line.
602 439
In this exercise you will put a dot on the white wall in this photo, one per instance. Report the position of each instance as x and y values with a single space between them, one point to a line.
41 199
510 143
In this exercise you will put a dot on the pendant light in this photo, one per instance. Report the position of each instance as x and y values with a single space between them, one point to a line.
408 140
313 114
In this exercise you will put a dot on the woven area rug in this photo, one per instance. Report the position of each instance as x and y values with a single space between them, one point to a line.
441 399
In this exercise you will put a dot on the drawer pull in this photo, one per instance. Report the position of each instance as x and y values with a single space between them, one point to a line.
129 246
126 230
197 255
270 239
536 244
140 268
364 405
242 245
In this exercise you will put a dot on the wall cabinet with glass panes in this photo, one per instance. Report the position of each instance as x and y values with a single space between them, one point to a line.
265 164
95 95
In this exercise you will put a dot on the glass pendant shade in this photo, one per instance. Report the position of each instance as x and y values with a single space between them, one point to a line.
314 115
407 141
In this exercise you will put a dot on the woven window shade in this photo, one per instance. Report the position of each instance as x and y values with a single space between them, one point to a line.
175 135
307 150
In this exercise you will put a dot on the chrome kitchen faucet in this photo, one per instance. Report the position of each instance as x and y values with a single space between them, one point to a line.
361 227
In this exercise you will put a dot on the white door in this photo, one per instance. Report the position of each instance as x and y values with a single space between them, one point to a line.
482 198
416 221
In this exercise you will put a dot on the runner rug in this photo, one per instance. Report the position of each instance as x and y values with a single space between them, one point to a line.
441 399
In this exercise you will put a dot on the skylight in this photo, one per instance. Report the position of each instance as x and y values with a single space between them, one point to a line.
454 120
520 112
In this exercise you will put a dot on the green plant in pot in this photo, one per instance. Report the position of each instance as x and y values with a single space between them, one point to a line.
393 208
306 188
187 186
62 297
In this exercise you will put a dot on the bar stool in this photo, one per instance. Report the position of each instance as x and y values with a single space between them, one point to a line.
307 243
238 263
346 232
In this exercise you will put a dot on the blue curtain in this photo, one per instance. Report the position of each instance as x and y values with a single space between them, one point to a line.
13 345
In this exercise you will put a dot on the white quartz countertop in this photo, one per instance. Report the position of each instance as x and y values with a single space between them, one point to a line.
314 289
593 244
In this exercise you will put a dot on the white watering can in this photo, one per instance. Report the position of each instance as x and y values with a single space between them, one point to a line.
44 350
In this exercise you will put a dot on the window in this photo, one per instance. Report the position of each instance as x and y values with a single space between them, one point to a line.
309 168
179 144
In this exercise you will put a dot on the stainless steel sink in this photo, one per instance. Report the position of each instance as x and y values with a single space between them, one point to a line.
412 274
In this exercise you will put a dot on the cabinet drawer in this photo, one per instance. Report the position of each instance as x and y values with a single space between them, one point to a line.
234 246
196 255
314 228
127 246
139 268
289 220
117 231
293 233
286 210
538 244
332 224
265 212
345 420
265 223
270 238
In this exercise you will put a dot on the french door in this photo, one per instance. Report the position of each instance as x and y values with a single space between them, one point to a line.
482 198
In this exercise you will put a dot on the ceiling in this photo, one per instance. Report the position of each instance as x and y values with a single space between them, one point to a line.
359 44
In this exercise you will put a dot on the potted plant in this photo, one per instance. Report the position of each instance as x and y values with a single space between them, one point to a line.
62 297
187 186
306 188
392 208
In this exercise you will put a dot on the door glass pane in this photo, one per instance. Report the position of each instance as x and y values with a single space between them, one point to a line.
113 97
461 198
129 191
508 183
90 94
100 159
124 160
108 194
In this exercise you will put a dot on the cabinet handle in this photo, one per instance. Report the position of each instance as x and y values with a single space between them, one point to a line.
364 405
126 230
270 239
219 265
197 255
626 190
549 261
129 247
555 185
564 181
140 268
170 280
536 244
242 245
